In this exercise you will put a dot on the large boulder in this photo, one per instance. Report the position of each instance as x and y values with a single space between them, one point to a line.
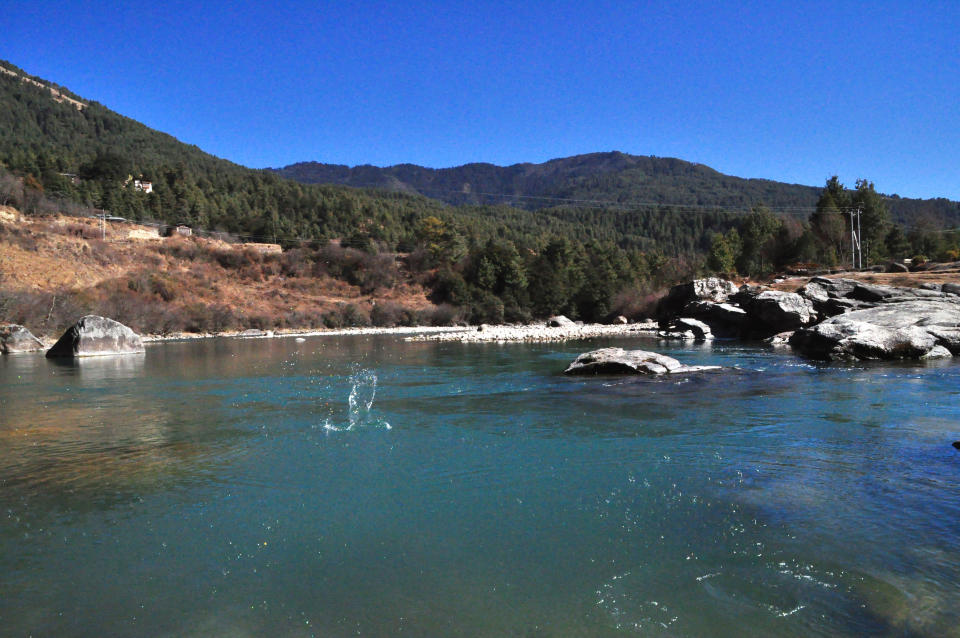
773 311
905 330
711 289
724 319
15 338
620 361
95 336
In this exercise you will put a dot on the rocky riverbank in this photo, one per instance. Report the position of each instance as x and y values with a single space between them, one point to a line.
824 319
540 332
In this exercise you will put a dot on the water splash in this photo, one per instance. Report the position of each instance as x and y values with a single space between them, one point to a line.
363 390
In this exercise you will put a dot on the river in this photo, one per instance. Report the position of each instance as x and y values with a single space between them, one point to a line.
363 485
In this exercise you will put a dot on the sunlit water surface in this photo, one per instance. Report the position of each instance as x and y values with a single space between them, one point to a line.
368 486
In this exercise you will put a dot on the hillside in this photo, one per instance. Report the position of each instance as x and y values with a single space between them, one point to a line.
56 269
600 180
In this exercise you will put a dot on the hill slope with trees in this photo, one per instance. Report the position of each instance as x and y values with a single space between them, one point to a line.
591 236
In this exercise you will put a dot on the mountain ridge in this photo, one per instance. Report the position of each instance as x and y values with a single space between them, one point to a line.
600 178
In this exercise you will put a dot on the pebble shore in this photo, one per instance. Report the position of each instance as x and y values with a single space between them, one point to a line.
537 333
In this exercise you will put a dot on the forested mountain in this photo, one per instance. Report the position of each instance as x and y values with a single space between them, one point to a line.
611 179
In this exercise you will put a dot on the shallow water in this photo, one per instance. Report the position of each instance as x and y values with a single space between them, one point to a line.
368 486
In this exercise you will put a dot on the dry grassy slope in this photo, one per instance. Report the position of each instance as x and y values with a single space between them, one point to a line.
59 255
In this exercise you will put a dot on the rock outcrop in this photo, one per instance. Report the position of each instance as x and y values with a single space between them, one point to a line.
712 289
859 320
620 361
909 329
773 311
15 338
96 336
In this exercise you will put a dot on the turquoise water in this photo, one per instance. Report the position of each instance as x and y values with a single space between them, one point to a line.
367 486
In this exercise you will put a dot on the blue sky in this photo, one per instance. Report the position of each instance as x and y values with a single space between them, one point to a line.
789 91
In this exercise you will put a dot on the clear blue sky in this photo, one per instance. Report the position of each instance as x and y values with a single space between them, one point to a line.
788 91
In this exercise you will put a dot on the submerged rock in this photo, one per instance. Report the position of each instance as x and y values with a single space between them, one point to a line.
95 336
620 361
15 338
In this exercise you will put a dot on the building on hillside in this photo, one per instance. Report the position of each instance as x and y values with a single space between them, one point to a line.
172 231
143 185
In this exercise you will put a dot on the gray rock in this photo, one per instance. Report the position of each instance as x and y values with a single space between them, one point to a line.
937 352
621 320
833 288
15 338
620 361
904 330
95 336
252 332
779 339
951 288
560 321
774 311
699 329
721 317
711 289
871 292
896 266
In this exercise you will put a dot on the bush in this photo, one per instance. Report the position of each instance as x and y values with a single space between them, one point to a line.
918 260
441 315
487 309
388 314
355 316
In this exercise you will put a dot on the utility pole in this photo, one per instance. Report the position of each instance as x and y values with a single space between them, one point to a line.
856 253
103 225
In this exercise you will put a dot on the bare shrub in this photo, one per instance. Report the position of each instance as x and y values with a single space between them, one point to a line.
346 316
440 315
296 263
388 314
301 319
